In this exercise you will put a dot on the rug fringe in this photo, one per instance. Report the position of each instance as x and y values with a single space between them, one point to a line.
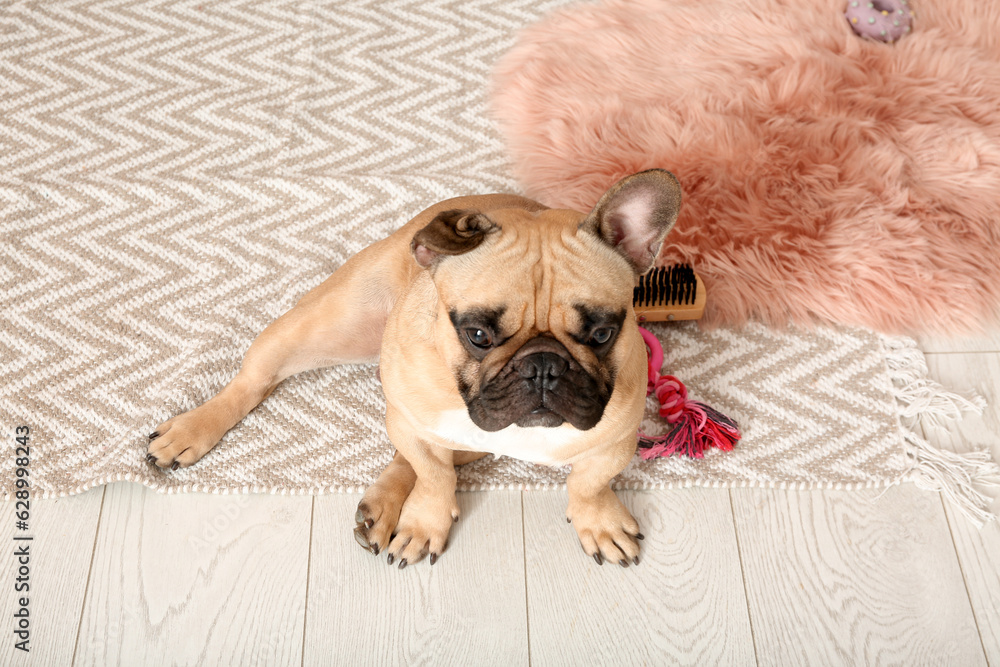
924 401
920 397
955 476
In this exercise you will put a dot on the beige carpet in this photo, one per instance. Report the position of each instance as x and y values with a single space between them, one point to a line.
176 175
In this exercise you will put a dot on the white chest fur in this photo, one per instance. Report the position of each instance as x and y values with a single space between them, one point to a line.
536 444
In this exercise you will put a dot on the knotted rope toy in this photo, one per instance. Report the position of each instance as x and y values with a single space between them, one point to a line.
696 425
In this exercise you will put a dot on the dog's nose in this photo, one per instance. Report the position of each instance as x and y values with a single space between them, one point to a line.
541 366
542 361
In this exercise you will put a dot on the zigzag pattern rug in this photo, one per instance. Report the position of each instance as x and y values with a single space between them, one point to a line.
175 175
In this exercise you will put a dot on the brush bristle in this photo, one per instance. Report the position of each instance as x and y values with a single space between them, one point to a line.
666 285
669 293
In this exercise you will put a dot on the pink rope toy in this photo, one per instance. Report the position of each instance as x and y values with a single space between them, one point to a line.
696 426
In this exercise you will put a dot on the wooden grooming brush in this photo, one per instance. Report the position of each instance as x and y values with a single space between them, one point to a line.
669 293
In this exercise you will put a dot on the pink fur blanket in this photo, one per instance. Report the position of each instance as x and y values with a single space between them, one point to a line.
825 177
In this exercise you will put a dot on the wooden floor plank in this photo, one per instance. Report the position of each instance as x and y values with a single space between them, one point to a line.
988 342
843 577
63 531
197 579
466 609
684 603
979 554
978 549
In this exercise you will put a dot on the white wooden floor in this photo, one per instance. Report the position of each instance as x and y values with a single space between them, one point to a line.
122 575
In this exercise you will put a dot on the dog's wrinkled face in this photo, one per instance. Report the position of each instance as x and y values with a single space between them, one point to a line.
543 382
533 306
535 312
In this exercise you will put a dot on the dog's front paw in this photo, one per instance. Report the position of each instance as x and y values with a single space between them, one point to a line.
183 440
606 529
378 514
424 524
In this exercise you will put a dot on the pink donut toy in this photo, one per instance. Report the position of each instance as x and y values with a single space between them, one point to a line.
882 20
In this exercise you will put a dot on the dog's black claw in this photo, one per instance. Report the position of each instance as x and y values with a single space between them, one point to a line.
375 549
390 559
640 536
434 558
623 562
369 523
154 435
597 557
636 560
402 564
150 458
175 466
569 520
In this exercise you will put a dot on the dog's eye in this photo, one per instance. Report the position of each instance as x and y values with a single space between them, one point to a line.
602 335
479 337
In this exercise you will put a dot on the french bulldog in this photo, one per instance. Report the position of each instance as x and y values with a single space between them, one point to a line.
501 326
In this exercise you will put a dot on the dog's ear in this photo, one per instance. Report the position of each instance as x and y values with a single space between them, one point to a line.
450 233
634 216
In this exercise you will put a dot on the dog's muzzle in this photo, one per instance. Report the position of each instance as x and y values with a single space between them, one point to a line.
542 385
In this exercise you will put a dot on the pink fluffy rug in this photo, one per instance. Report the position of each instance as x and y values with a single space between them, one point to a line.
825 177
